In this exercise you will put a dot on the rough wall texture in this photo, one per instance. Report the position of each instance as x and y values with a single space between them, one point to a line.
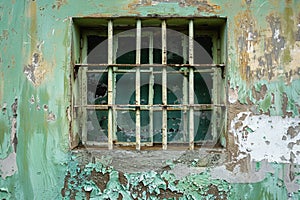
261 157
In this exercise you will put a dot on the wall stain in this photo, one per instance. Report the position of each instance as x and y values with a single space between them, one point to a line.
59 3
247 37
202 5
294 131
36 71
14 138
285 105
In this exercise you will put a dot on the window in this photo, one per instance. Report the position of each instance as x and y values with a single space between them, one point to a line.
149 81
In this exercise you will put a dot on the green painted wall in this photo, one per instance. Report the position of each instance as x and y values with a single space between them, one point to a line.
263 44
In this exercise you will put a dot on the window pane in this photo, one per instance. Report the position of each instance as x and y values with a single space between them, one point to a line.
125 126
145 126
126 53
125 87
203 84
175 46
202 125
96 49
97 125
175 87
97 88
145 79
175 126
157 126
157 88
203 47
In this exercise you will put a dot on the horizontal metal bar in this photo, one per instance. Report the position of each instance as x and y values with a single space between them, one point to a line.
130 71
133 143
159 107
97 71
98 144
149 65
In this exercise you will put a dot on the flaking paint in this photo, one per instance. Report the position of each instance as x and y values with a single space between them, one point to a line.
263 47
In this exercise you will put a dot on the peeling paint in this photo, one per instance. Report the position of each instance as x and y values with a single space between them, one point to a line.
261 142
14 139
261 158
36 71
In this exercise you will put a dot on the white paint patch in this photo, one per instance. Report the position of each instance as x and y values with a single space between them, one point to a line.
266 137
8 166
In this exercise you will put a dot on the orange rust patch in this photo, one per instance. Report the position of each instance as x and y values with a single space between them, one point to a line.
59 3
246 39
133 6
203 6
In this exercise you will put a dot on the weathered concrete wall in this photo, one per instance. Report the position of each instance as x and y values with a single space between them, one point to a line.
263 67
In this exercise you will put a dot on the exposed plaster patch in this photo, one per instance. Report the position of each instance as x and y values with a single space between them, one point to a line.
8 166
293 132
36 70
202 5
247 38
233 95
259 94
14 139
51 117
266 137
285 105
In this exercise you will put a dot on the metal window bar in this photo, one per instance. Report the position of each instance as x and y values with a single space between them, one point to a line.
164 84
185 91
137 86
191 84
110 84
151 90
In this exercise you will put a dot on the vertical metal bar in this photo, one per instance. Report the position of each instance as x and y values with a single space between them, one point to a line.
185 89
164 85
137 86
84 103
215 101
83 90
191 84
110 84
151 90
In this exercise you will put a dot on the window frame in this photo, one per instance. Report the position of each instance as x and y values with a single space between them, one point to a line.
216 68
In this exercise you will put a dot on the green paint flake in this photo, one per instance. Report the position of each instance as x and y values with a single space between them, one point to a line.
257 166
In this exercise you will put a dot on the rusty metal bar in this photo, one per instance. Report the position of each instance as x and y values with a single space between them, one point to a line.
216 100
137 86
164 84
185 90
84 102
110 84
151 90
149 106
191 84
150 65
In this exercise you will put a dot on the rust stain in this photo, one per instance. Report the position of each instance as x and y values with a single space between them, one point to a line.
284 106
259 95
131 7
247 38
293 132
36 70
202 6
33 25
59 3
